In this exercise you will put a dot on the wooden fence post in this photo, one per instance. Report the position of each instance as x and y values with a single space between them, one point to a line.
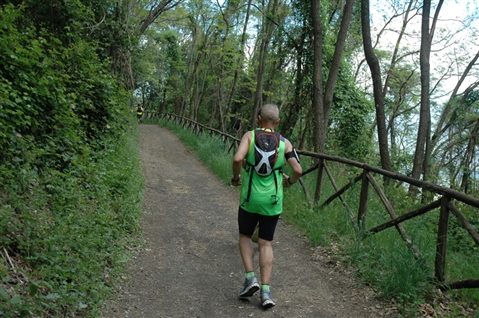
319 181
440 262
363 202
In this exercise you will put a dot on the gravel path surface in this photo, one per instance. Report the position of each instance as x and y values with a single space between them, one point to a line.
189 265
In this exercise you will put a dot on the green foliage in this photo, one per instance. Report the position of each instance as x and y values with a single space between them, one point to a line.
54 97
70 179
159 70
459 239
71 228
350 119
395 270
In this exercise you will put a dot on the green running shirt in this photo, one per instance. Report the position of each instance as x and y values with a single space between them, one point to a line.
265 197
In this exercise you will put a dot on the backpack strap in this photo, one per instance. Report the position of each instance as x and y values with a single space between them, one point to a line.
250 166
250 170
250 182
275 195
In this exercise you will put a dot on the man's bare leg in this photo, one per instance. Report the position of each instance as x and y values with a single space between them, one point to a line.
250 285
265 260
247 252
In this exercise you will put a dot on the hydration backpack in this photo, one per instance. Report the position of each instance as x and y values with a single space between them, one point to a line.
265 151
265 147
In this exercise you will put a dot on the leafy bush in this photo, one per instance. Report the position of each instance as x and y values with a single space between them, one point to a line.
54 97
70 180
67 232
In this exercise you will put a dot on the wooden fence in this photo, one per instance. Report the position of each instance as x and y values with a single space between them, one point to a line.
444 199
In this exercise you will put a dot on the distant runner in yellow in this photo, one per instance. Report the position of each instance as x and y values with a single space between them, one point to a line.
139 113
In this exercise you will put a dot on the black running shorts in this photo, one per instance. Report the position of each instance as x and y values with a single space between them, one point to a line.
247 224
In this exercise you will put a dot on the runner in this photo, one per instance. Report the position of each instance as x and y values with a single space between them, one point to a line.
261 203
139 113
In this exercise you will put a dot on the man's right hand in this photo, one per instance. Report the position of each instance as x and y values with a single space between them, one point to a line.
286 183
236 182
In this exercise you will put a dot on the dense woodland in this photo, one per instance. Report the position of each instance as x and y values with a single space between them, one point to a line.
391 83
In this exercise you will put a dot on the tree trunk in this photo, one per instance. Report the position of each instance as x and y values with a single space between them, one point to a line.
394 58
468 159
229 100
335 65
288 122
192 65
155 12
428 145
375 68
425 112
317 106
323 120
219 82
266 33
441 126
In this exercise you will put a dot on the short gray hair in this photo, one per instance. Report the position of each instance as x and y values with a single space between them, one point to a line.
269 112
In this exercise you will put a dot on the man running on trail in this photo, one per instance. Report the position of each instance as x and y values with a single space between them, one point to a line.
139 112
261 202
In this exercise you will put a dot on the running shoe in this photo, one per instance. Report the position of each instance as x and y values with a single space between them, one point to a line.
267 300
250 287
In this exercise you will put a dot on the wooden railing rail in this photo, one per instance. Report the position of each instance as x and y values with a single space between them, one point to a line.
444 199
196 127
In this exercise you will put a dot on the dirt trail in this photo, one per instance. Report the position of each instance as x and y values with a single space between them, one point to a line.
190 266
